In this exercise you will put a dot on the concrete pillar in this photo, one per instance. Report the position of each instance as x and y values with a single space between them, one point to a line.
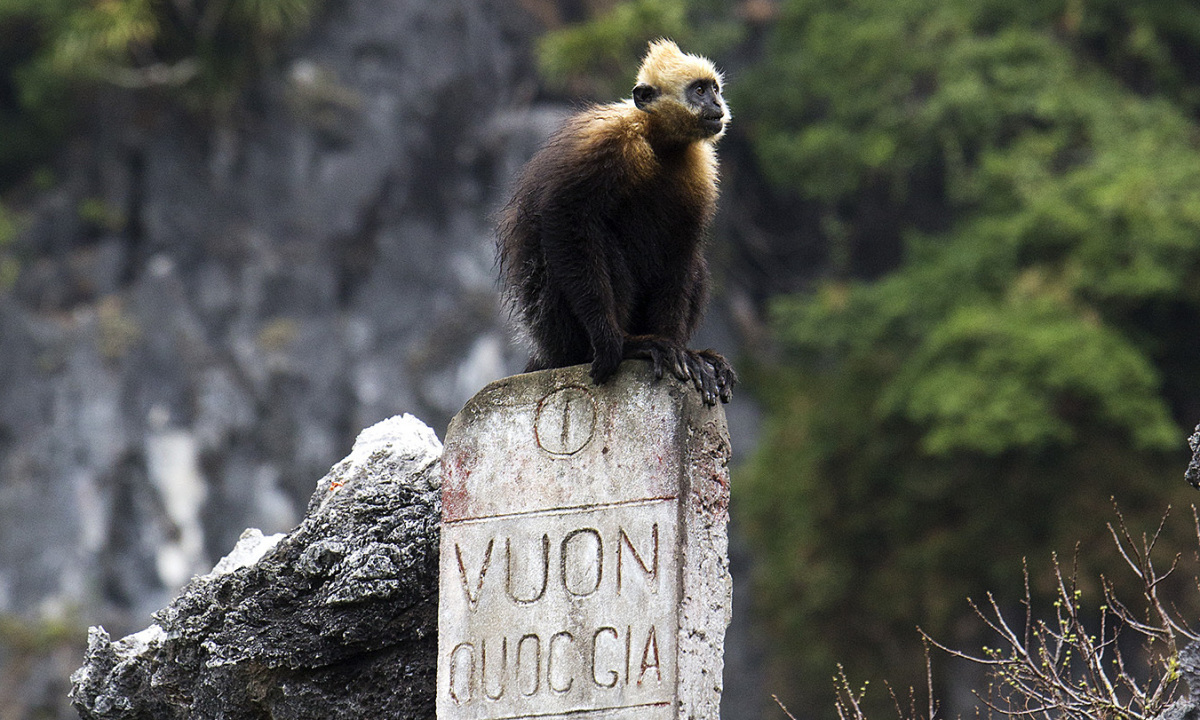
584 569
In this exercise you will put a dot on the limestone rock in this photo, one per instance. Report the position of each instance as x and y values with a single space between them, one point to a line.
1193 471
336 619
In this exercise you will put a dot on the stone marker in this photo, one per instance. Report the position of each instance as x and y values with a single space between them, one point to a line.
584 569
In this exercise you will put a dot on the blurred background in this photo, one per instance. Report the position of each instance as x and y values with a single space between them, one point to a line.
957 264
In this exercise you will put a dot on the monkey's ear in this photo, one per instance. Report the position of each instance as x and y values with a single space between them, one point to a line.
643 95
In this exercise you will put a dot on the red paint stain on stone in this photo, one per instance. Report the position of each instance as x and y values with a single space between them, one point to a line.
456 468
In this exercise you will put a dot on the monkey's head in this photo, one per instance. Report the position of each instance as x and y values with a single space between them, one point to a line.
683 90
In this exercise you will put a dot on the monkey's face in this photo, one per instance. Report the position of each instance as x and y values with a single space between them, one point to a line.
704 99
694 109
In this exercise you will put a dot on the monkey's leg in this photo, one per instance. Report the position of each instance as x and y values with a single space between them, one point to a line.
667 321
558 339
713 365
577 249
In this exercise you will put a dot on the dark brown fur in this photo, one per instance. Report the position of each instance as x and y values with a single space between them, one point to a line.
601 246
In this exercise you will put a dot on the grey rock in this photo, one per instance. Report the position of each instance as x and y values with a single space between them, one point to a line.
1180 710
1187 708
1193 471
1189 669
314 262
336 619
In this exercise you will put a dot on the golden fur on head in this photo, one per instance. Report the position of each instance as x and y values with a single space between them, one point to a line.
666 66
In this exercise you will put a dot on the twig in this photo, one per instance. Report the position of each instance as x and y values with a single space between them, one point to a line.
782 706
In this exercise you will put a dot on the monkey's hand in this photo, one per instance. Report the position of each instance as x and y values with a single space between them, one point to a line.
722 372
711 374
605 364
708 371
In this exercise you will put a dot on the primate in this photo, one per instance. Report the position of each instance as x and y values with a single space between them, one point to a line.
601 245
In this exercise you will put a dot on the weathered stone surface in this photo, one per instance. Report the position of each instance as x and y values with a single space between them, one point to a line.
335 619
584 566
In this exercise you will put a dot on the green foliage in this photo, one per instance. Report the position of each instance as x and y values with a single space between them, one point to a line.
611 45
8 264
200 52
994 378
600 58
985 398
93 40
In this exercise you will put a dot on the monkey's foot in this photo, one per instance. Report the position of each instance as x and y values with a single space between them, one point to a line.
708 371
722 372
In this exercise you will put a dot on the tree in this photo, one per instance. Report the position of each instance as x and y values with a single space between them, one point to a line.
1007 336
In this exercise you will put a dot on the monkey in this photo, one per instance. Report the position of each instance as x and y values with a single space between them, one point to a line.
601 246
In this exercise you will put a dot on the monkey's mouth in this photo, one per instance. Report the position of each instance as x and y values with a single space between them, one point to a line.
712 126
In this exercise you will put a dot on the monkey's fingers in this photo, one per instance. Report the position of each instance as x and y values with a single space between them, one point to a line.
695 368
663 355
711 392
726 393
703 377
726 379
682 367
725 375
656 359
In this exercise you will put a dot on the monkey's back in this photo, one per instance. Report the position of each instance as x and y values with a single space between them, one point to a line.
599 203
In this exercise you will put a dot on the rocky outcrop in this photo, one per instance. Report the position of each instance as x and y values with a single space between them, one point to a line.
1193 471
208 308
338 618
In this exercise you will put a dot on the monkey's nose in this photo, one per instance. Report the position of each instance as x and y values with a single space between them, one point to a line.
712 110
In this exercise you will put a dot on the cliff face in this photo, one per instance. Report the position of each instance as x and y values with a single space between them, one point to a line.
208 312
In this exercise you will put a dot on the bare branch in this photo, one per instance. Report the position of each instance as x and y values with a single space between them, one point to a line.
1066 663
784 707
